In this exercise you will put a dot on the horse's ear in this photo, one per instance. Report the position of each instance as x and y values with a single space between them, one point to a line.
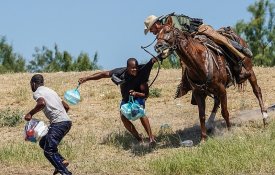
169 21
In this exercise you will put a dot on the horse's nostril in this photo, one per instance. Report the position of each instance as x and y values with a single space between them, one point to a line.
158 48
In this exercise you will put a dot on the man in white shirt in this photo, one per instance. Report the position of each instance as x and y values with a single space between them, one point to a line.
56 111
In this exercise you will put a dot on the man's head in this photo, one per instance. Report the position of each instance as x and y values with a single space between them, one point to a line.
36 81
152 24
132 66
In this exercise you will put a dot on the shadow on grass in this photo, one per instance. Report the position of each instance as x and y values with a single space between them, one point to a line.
120 139
166 138
124 140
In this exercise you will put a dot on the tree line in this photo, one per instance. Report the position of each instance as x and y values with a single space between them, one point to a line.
45 60
259 33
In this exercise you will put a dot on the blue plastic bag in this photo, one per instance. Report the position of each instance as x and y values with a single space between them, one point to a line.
132 110
72 96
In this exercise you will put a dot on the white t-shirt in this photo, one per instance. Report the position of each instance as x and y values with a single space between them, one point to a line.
54 109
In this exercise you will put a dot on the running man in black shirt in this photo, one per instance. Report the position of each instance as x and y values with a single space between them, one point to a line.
133 81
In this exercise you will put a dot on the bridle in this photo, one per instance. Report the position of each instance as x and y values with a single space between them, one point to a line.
163 45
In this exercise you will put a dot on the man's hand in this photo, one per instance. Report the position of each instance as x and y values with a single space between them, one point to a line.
28 117
66 106
154 60
40 104
133 93
82 80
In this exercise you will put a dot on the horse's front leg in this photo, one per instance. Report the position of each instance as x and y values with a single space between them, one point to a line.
210 124
258 94
223 100
200 99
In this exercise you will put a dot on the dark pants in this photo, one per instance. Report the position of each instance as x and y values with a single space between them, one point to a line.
50 142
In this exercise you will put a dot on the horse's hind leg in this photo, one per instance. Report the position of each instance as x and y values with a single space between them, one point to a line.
258 94
210 122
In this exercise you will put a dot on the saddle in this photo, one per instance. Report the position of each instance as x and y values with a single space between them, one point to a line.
184 85
234 39
219 50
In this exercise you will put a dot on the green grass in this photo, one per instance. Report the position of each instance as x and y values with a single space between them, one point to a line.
20 153
248 151
31 153
10 117
155 92
243 153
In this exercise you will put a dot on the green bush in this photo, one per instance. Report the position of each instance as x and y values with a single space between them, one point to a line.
10 117
155 92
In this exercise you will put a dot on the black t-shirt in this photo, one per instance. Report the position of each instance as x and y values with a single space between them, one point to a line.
132 82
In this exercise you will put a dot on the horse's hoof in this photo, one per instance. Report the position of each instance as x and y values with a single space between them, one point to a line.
266 121
210 130
203 141
209 126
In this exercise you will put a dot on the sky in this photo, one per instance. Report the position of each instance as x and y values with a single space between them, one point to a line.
113 28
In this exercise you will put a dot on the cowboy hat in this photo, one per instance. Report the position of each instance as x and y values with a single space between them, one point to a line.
149 21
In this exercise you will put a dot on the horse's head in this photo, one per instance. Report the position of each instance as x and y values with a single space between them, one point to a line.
167 40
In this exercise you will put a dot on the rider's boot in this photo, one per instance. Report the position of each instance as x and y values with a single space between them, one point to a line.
244 73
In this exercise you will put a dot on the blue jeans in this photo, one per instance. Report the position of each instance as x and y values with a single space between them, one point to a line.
50 142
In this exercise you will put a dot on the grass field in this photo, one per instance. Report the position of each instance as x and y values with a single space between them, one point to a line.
99 144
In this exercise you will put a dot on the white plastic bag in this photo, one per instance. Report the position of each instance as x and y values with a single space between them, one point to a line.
35 130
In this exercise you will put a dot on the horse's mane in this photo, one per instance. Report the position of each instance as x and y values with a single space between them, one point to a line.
193 43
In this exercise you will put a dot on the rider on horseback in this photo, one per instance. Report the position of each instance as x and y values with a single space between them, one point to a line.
195 26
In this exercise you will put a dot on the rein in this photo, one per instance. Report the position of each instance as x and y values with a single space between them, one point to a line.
144 48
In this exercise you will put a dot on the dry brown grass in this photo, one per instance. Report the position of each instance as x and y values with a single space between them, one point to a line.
98 139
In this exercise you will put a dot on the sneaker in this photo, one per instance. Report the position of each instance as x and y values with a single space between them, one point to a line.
65 163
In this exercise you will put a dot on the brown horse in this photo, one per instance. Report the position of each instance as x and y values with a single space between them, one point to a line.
207 72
